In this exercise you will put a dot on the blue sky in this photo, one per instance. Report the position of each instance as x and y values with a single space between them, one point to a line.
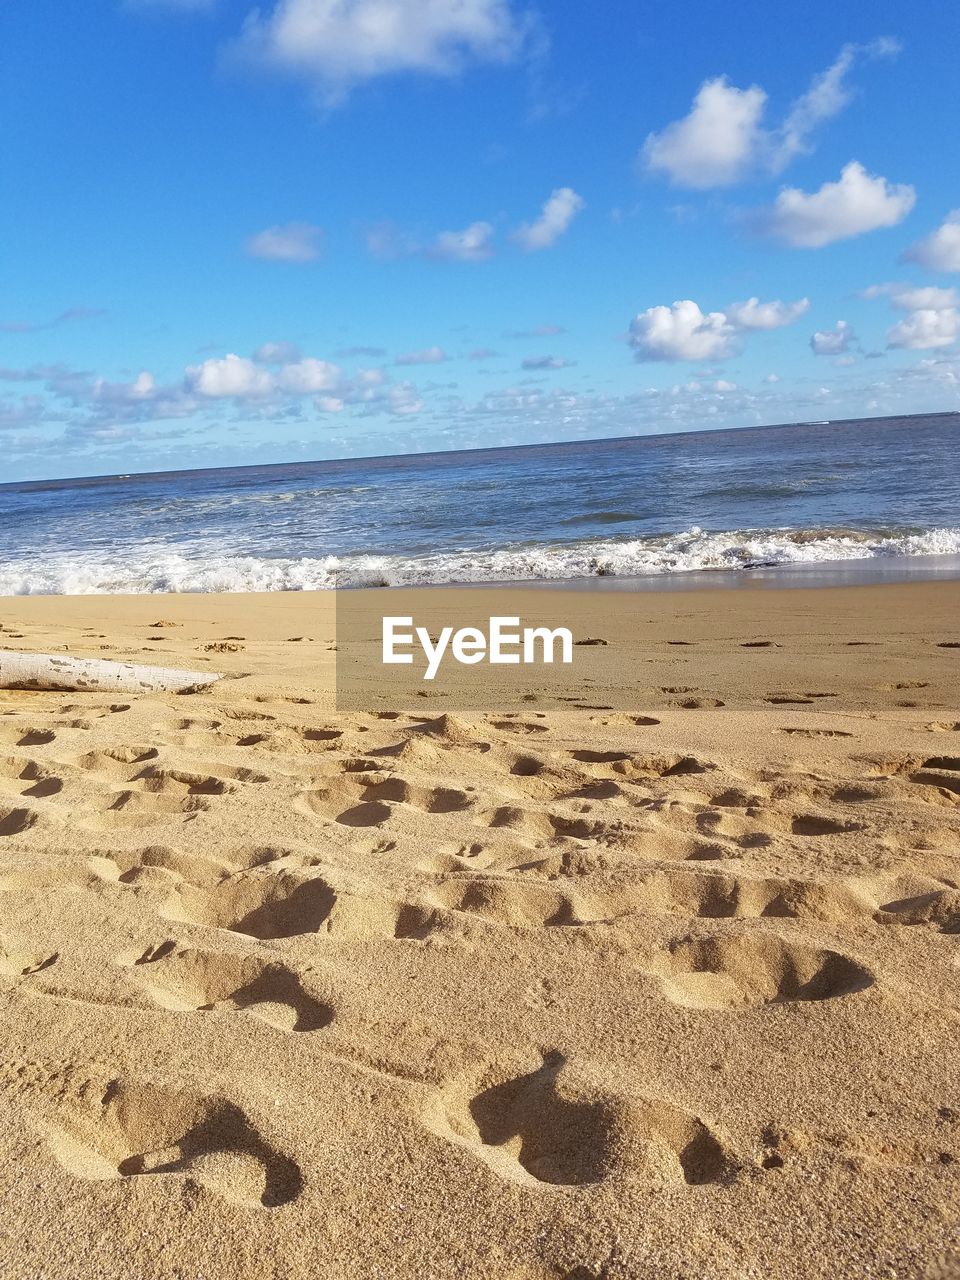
335 227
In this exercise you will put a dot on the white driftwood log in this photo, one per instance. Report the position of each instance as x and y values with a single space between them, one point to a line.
57 671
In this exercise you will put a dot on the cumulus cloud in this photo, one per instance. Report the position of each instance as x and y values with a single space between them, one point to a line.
473 244
754 314
229 376
684 332
430 355
855 204
716 144
291 242
559 210
926 329
545 362
932 319
835 341
338 44
723 140
404 399
224 388
307 376
940 250
234 377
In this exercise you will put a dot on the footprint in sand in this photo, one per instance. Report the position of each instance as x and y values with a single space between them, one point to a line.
943 774
266 905
18 961
15 821
28 778
202 981
143 1130
938 909
374 798
545 1127
745 970
260 905
26 737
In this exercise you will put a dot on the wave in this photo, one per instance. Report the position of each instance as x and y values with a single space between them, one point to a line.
149 571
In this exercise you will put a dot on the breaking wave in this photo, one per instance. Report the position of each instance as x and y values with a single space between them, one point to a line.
150 570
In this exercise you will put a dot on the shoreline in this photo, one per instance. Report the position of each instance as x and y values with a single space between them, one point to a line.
812 575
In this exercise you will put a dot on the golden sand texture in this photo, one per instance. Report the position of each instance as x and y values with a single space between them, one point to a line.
659 981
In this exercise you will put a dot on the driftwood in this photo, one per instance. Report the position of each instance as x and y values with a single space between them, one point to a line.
57 671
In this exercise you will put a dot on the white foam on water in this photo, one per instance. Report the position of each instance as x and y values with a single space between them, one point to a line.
148 570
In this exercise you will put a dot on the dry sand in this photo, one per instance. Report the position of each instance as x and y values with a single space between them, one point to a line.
659 981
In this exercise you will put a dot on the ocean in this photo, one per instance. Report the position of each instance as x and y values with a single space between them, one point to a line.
647 508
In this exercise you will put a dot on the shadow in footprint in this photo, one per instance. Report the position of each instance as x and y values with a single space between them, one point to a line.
144 1130
554 1138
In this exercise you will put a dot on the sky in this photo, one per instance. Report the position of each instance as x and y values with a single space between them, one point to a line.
325 228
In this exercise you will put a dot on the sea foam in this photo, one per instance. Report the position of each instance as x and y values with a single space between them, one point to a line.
148 570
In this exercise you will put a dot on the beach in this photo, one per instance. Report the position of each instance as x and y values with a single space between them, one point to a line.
650 974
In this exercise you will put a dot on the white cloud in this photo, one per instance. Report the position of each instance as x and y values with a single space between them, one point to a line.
229 376
292 242
827 96
404 399
558 211
772 378
682 332
237 378
308 376
716 144
908 297
855 204
835 341
932 319
473 244
940 250
754 314
926 330
338 44
722 140
431 355
143 387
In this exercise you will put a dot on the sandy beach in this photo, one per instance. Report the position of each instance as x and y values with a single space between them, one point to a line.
655 977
